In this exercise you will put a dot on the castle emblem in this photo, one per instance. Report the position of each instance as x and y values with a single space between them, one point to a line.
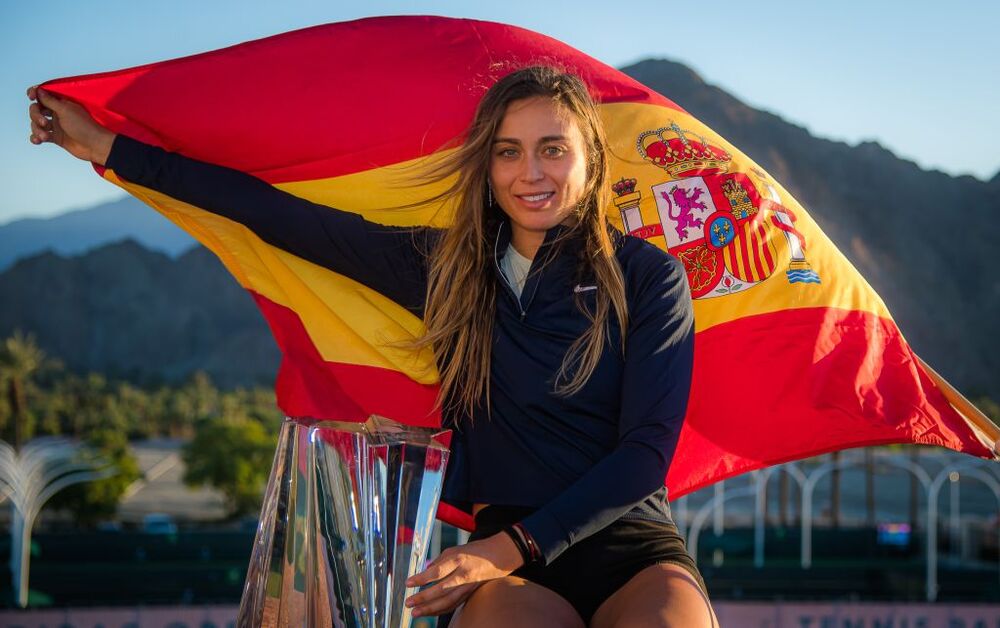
739 199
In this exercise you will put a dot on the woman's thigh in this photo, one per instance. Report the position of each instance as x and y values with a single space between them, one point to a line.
659 595
514 601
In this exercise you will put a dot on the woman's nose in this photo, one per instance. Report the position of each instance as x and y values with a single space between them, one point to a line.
532 169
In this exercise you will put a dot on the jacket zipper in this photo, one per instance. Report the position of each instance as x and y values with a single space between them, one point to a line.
513 294
534 290
510 288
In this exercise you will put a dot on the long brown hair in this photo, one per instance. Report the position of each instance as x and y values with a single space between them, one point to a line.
461 292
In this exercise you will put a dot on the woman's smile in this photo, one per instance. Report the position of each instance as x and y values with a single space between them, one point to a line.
535 201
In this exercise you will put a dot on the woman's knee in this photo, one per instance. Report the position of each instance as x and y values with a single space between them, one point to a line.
513 601
660 596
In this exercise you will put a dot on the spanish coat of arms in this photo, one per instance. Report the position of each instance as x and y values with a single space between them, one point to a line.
729 234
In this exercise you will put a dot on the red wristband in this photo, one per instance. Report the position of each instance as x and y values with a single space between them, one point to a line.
522 547
534 552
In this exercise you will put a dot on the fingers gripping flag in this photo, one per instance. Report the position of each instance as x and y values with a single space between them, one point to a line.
795 353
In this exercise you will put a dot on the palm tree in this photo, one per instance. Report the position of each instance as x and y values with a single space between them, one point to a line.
20 358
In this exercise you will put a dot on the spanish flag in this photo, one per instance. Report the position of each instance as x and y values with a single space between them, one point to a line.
795 353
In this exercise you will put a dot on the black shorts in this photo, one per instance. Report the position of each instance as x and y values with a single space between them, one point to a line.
590 571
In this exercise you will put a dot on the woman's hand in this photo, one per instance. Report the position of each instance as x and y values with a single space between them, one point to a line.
460 570
67 124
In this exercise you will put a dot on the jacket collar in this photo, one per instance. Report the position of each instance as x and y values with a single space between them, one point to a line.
502 233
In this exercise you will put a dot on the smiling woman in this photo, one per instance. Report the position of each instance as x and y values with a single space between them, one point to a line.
549 357
567 397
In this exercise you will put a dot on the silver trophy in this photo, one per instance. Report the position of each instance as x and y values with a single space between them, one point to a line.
347 518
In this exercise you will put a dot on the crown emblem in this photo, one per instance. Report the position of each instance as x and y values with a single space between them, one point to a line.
672 149
623 186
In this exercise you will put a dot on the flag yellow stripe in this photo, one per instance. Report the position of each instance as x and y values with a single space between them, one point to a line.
391 195
346 321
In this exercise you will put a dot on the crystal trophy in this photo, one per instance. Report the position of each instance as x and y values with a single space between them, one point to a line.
347 517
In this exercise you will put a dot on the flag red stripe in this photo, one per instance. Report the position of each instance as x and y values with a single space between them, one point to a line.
309 386
401 106
824 390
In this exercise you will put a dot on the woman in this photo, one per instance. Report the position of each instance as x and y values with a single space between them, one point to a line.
564 350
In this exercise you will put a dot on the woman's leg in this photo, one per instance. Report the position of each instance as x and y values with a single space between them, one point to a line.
659 595
514 601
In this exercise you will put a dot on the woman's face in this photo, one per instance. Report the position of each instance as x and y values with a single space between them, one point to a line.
538 168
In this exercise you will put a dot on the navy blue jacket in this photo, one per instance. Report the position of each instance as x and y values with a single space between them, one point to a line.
584 460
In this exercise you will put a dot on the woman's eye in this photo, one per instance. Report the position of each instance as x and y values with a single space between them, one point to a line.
507 152
553 151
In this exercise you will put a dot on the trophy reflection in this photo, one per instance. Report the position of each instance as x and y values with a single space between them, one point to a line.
347 517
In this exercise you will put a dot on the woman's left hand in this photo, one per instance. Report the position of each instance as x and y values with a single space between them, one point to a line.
460 570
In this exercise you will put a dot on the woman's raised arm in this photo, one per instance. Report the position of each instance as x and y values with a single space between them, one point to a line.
390 260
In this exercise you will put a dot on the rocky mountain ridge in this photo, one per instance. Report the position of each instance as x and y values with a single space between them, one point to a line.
130 312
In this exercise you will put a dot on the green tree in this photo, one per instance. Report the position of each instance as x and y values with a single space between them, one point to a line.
232 454
92 403
260 404
182 408
136 409
93 502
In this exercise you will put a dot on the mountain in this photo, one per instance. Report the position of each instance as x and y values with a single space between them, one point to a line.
79 231
923 240
130 312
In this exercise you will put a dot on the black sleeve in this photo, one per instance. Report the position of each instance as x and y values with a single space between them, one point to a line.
390 260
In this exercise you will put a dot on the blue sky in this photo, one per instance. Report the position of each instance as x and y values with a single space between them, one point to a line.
919 77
